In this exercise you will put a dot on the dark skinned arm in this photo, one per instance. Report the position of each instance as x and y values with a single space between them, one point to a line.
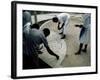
80 26
59 26
51 52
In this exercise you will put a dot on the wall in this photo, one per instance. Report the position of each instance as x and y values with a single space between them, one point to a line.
5 39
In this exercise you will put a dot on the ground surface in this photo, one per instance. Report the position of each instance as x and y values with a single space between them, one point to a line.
72 43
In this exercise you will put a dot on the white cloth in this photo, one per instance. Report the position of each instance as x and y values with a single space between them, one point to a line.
26 21
27 27
86 36
64 18
86 23
59 49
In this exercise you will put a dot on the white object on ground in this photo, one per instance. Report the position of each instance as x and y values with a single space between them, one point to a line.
57 45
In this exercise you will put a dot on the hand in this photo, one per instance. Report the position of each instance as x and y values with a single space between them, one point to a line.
80 26
57 57
77 25
61 26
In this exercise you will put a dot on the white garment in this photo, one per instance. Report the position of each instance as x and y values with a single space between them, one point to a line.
26 21
63 18
86 23
27 27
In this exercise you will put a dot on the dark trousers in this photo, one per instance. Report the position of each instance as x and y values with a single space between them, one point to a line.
30 62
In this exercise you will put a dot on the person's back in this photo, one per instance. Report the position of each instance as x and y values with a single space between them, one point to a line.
31 47
38 38
63 17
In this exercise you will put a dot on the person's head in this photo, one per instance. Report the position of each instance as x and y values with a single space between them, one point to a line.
55 19
46 32
36 26
26 17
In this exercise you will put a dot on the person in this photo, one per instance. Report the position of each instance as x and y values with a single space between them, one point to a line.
84 34
32 38
62 19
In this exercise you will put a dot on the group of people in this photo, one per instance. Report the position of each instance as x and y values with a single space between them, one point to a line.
33 37
63 21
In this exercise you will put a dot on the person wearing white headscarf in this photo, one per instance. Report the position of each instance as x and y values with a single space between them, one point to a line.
85 33
63 20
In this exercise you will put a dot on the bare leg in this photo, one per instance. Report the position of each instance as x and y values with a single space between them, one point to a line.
80 48
85 48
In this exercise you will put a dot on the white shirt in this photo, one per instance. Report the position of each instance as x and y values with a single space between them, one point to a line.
64 18
86 20
85 38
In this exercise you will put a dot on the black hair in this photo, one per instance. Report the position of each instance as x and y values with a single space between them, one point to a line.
46 32
55 19
36 26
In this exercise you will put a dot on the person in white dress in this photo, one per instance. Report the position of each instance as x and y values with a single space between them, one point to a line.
62 19
85 33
